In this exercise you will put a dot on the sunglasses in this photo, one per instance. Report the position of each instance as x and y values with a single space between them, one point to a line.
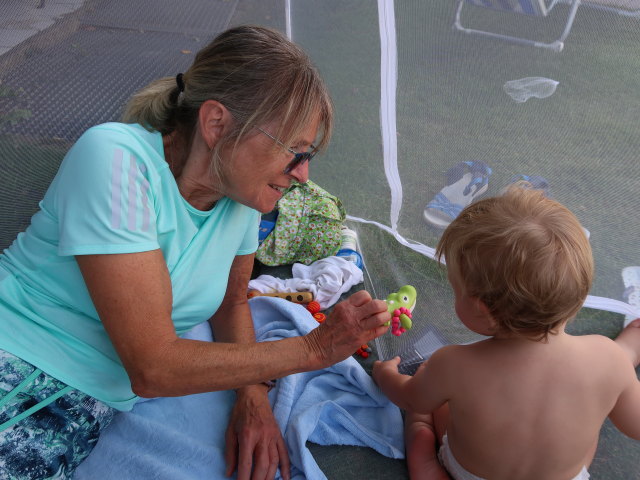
298 158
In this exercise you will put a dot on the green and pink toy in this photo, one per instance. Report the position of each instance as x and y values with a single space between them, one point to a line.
400 305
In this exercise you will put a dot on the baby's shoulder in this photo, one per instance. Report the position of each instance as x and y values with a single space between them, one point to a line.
457 356
599 343
599 352
449 352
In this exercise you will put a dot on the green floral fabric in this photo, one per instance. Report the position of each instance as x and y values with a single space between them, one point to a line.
307 229
51 442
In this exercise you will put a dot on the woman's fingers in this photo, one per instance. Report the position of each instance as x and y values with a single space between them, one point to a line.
255 446
283 455
359 298
376 319
231 451
352 323
371 312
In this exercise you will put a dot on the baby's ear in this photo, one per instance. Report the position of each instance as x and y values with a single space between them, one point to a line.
484 312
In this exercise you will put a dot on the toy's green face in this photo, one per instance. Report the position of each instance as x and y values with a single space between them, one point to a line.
405 297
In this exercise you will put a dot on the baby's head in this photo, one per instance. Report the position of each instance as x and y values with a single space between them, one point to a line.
525 256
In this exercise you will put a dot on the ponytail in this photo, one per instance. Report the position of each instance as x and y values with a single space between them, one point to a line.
154 106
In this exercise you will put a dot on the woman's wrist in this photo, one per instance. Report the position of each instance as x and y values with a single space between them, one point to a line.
257 387
269 384
314 354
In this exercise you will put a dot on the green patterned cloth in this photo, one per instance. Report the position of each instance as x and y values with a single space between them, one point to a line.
51 442
307 229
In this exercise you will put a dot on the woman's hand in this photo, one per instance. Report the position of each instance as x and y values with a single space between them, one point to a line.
254 444
352 323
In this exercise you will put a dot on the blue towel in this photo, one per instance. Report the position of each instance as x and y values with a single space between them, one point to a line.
183 438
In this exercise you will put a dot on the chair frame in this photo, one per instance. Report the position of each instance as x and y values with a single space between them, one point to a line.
555 46
610 8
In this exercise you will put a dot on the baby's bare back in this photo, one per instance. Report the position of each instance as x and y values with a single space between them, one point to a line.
521 409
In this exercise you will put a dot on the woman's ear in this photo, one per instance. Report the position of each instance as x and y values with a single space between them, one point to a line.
213 121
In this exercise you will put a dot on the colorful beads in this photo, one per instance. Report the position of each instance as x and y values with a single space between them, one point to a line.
313 307
364 351
396 326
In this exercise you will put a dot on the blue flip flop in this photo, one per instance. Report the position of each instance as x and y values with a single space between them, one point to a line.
465 181
535 181
538 183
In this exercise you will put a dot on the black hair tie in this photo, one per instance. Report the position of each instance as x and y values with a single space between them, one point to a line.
180 82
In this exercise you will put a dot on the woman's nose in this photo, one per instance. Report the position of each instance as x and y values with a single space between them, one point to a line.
301 172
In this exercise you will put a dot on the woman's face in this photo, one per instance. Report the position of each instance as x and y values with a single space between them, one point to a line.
256 177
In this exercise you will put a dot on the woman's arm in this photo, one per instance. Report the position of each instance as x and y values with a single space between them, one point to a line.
132 295
232 321
253 441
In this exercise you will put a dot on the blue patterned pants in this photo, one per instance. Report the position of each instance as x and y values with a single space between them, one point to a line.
46 427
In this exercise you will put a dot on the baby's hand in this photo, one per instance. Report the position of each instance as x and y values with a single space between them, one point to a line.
387 368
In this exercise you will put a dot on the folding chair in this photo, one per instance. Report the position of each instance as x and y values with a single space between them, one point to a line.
627 8
537 8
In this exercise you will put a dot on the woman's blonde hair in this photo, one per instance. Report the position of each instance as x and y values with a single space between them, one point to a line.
525 256
257 74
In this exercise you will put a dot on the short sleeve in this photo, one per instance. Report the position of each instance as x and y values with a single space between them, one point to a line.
103 195
250 241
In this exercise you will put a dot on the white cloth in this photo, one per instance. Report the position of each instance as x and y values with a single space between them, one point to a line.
458 472
327 279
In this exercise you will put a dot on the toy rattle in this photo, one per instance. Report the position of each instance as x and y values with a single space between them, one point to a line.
400 305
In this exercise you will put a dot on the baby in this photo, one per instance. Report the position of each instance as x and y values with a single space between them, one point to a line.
529 401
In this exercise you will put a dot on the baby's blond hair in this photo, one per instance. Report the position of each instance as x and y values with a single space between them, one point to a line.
525 256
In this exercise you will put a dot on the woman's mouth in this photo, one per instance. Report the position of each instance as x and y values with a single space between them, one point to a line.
281 190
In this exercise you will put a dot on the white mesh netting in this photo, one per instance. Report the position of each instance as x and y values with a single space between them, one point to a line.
416 89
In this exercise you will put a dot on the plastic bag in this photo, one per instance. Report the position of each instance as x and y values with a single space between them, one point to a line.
523 89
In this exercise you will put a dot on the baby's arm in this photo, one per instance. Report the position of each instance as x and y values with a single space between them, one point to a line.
421 393
626 412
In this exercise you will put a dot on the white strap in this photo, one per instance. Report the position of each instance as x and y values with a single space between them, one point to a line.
287 19
415 246
388 83
611 305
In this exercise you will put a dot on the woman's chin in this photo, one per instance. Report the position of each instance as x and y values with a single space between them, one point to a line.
266 210
264 206
268 203
261 204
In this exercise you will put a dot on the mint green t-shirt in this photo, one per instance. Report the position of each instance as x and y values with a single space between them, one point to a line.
113 193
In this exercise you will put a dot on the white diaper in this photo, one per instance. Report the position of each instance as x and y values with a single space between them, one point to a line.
456 470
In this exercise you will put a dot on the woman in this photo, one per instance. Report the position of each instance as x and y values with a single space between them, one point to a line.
148 229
